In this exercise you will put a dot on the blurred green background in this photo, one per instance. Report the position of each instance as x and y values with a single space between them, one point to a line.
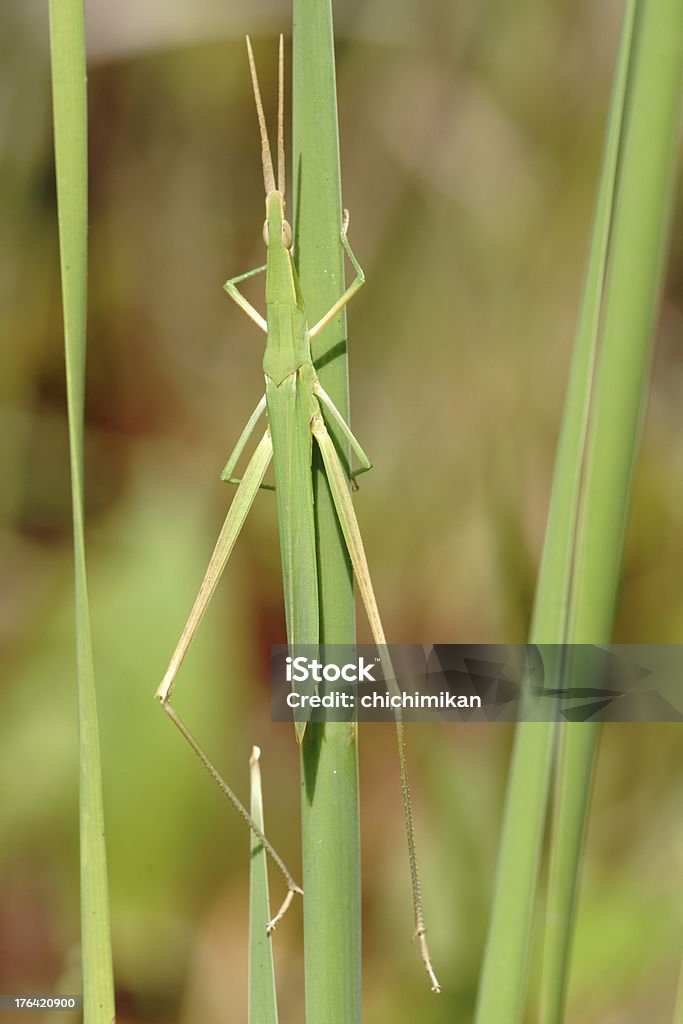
471 138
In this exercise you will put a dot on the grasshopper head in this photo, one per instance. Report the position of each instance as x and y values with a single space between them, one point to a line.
276 229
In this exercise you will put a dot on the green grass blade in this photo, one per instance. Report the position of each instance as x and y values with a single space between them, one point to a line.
502 986
637 249
330 817
502 989
550 623
67 34
636 257
262 994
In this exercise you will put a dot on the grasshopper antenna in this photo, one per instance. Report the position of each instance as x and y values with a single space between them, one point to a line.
268 175
281 119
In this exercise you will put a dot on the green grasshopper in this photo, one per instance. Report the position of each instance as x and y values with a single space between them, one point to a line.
294 403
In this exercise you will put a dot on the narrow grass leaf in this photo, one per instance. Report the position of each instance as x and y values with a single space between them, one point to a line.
262 993
329 757
643 199
503 984
67 36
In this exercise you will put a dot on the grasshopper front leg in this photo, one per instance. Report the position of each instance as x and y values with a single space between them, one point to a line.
355 285
236 295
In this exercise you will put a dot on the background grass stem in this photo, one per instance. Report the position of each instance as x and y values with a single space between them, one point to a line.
67 36
262 992
578 581
640 229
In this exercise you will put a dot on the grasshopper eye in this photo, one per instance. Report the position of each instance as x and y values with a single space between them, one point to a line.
286 234
265 232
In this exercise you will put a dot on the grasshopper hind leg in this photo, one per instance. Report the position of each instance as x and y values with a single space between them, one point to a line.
292 887
237 513
338 482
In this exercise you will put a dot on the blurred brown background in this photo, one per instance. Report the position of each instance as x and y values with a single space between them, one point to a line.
471 138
